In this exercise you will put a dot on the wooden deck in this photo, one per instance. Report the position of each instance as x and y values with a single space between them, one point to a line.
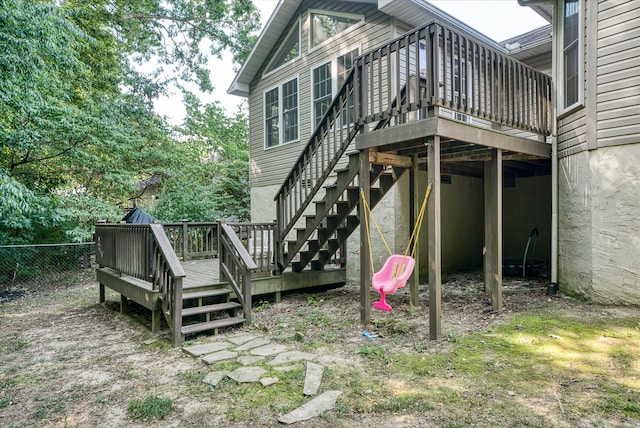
201 273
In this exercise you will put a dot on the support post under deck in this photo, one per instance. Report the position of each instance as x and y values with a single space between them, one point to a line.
493 229
435 239
414 184
365 257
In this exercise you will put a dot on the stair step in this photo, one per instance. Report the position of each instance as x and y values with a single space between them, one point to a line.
218 307
211 325
206 293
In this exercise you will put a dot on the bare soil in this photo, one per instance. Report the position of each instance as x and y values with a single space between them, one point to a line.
66 360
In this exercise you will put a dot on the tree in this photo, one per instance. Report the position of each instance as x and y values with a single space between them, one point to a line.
214 183
76 115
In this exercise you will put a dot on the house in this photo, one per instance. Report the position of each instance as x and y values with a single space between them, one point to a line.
596 146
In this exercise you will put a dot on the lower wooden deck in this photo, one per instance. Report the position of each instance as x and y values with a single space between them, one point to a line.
204 275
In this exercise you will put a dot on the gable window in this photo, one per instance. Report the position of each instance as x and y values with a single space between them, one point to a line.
281 114
571 68
327 80
326 25
288 51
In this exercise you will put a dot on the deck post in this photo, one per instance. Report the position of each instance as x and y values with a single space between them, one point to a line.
156 319
176 313
124 304
496 238
488 251
435 239
365 257
185 235
414 185
101 292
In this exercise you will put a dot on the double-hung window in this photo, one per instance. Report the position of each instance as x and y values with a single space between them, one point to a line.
281 116
571 48
327 80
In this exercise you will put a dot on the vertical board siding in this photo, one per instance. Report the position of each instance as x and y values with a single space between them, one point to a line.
618 73
270 167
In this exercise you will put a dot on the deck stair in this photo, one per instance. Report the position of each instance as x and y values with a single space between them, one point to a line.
209 310
326 230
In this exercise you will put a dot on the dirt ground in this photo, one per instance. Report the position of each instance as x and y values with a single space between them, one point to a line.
66 360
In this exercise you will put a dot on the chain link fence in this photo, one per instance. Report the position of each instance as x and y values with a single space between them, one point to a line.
44 266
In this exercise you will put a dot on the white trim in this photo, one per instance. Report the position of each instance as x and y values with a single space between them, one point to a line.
561 109
280 67
357 16
279 86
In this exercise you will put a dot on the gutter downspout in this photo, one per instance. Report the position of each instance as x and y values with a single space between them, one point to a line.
554 163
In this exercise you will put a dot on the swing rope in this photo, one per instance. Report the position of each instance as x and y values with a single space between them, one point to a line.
413 240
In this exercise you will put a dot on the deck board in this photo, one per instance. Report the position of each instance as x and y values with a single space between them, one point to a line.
201 272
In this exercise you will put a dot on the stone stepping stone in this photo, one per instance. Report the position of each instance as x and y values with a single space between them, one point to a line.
268 381
241 339
247 374
214 378
284 369
312 378
313 408
268 350
291 357
261 341
218 356
206 348
247 360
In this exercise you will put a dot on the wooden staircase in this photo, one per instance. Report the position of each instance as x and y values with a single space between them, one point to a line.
326 230
209 310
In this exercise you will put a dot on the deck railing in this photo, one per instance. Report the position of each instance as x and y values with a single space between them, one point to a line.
193 240
258 240
400 81
236 266
143 251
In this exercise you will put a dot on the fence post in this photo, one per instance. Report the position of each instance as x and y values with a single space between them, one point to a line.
185 250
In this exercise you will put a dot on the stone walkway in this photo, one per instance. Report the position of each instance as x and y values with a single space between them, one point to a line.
254 353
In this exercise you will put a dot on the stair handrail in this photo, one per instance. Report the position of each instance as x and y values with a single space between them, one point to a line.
167 276
236 266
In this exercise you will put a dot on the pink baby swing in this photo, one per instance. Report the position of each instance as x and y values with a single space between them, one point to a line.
398 268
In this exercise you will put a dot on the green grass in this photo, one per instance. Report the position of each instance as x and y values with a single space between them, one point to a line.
150 408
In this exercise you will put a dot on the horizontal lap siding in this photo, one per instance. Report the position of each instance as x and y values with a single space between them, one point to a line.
270 167
618 72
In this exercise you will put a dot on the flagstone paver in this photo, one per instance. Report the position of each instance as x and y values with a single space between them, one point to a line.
267 350
268 381
247 360
255 343
312 378
247 374
286 368
291 357
214 378
313 408
218 356
241 339
206 348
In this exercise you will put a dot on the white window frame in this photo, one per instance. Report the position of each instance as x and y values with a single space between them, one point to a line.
560 73
333 68
280 67
279 86
356 16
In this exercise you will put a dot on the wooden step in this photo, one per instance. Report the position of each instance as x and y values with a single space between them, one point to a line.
206 293
211 325
218 307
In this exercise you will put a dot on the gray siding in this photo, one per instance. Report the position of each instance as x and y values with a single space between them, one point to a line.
618 72
269 167
572 132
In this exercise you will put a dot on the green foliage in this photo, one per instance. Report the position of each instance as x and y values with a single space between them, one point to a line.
212 181
150 408
77 127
